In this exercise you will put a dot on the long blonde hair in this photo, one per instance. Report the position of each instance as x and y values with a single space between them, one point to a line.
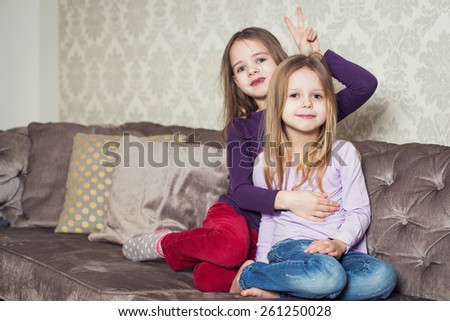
278 150
237 104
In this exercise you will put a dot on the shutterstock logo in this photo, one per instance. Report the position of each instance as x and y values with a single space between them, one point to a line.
141 152
305 156
133 151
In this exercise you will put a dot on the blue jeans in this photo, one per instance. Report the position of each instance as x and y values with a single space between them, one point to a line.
294 273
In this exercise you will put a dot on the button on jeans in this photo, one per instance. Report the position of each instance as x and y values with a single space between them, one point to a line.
294 273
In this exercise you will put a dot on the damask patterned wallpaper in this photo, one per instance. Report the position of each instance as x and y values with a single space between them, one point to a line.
158 60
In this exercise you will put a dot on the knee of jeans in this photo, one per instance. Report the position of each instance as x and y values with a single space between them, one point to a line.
385 280
331 279
377 282
335 284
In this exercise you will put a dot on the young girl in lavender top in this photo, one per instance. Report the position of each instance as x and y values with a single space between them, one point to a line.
298 257
228 235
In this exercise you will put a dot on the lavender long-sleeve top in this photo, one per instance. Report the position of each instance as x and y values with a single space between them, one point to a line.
244 145
344 183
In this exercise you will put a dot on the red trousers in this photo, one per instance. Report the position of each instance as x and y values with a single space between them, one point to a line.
216 249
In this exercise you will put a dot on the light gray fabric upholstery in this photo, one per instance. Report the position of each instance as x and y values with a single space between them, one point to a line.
37 264
14 148
409 189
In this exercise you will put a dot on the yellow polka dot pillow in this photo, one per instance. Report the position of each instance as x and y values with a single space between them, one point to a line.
88 182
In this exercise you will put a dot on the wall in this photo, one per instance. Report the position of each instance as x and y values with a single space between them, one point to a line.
28 62
48 60
159 60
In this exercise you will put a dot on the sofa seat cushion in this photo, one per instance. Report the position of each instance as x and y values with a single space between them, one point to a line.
38 264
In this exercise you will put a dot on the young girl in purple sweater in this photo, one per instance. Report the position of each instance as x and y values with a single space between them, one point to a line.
228 235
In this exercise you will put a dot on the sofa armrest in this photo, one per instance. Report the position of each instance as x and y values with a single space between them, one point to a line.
14 149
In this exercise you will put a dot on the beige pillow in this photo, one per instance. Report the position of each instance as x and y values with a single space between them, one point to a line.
89 181
87 186
162 185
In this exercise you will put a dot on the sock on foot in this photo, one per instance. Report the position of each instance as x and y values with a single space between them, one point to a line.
145 247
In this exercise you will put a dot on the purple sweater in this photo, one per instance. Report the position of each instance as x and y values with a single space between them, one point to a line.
244 146
344 183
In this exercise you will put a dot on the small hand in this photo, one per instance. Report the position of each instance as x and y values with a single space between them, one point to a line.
305 38
333 248
309 205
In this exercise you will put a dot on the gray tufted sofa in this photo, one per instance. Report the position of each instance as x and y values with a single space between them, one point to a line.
410 199
409 187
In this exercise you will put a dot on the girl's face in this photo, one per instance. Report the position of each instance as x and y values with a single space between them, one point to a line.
253 67
305 109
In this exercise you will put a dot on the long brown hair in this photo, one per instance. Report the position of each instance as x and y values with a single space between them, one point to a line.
315 159
237 104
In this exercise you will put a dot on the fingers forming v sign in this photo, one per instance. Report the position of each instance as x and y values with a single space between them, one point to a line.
305 38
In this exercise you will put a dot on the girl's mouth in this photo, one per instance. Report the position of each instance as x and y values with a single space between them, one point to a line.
307 116
257 82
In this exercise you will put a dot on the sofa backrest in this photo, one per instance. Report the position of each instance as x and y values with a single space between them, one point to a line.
49 157
409 189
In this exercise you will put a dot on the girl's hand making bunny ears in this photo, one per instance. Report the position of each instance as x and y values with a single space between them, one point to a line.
305 38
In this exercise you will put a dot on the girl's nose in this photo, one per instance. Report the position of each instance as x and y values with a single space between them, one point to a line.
306 104
252 71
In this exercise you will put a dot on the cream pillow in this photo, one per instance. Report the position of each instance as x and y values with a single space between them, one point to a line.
162 185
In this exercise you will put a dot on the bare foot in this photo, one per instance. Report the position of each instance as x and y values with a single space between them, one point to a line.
235 287
259 293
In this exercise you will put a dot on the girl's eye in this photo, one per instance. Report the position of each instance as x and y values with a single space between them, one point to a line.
261 60
317 96
240 69
294 95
